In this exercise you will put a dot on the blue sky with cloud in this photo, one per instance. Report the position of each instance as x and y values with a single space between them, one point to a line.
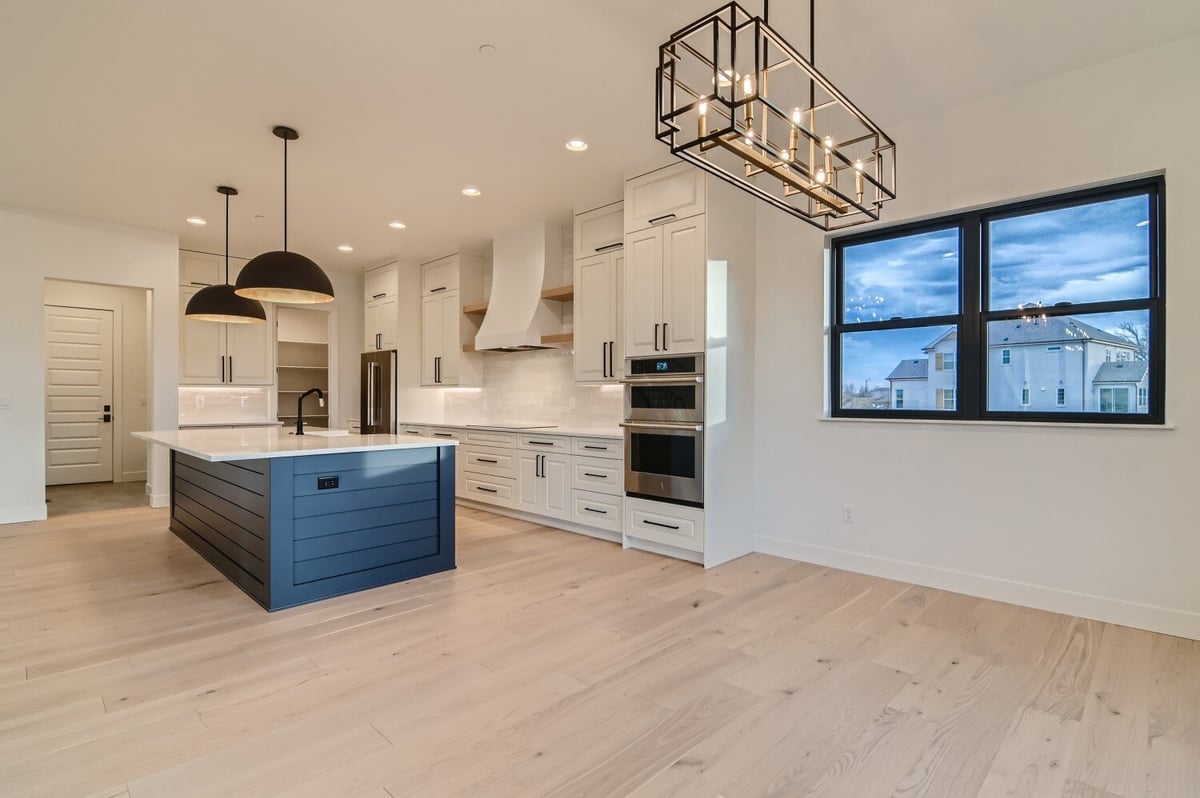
1088 253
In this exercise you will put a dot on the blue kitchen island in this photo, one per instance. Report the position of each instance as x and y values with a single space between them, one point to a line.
293 519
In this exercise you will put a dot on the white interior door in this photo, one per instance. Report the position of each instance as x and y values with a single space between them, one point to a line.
79 388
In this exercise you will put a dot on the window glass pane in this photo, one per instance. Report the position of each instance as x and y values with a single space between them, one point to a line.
1096 252
1090 363
892 369
907 277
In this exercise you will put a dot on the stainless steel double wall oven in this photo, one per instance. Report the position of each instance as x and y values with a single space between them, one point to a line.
664 428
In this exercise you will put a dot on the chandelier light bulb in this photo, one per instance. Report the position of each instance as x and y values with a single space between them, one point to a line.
858 165
703 109
747 86
795 116
821 175
828 143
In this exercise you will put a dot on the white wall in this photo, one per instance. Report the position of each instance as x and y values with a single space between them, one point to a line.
131 364
1091 522
39 246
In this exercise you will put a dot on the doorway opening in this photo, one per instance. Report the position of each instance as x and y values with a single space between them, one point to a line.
96 388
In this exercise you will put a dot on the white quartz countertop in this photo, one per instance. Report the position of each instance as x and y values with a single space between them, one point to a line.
253 443
202 424
568 429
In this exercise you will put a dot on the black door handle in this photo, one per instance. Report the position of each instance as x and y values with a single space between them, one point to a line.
665 347
604 359
656 336
655 523
611 346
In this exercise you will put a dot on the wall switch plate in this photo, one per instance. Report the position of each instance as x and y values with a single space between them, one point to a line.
199 402
5 402
847 514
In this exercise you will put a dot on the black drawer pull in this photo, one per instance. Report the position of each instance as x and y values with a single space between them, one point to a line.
412 432
487 490
658 219
607 247
379 296
596 476
596 448
540 443
444 434
435 290
485 460
594 510
655 523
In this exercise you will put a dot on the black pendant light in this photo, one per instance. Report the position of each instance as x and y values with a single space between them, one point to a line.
219 302
283 276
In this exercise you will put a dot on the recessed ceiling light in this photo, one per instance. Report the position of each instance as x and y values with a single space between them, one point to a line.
345 248
196 220
487 49
576 145
397 225
471 191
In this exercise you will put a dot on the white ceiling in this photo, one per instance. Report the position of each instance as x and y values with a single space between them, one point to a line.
132 111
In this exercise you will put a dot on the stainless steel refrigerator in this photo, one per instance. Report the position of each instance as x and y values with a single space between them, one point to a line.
377 392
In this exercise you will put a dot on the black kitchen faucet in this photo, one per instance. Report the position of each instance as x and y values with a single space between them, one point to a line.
300 407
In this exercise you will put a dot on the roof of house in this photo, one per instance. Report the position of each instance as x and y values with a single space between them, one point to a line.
1055 328
952 332
1122 371
911 370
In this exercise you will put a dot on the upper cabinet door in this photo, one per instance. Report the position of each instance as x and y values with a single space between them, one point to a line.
372 328
431 338
595 317
440 276
389 322
381 282
663 196
198 269
643 284
201 347
451 351
599 230
251 351
684 266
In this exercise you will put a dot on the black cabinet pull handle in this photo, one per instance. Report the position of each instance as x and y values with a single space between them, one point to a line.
597 448
611 346
441 434
656 336
655 523
604 359
665 347
435 290
231 368
658 219
607 247
594 510
412 432
596 476
196 283
487 490
540 443
485 460
379 296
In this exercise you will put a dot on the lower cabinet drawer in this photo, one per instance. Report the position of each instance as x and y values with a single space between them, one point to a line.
413 429
486 437
597 509
670 524
444 432
492 490
544 443
493 462
598 447
592 473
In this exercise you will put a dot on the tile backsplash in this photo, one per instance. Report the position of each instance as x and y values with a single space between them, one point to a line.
215 404
536 386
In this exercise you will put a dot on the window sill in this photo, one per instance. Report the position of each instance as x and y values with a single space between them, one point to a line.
986 423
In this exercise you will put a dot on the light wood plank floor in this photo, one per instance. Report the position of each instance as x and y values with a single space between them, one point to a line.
552 664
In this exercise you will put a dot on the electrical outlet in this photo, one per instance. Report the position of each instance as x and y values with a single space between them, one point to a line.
847 514
244 400
5 402
199 402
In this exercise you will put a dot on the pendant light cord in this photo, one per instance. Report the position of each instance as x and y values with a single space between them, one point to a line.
285 196
812 50
226 239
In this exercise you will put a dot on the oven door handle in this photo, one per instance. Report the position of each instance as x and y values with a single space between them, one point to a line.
665 379
662 425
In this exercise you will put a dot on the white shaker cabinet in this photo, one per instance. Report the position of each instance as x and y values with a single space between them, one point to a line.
598 352
664 303
212 353
380 321
664 195
599 230
544 484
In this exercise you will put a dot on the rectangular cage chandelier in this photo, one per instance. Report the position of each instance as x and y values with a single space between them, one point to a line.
737 100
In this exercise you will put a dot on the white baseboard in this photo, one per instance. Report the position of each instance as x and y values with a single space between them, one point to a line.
19 515
1085 605
133 476
554 523
159 500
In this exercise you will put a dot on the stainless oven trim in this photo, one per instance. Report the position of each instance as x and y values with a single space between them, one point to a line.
682 489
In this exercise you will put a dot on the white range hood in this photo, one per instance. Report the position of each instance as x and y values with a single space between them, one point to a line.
525 262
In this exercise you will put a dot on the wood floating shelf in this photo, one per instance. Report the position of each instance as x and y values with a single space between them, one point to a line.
559 339
564 293
468 347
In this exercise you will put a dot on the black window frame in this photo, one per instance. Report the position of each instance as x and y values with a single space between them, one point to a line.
973 314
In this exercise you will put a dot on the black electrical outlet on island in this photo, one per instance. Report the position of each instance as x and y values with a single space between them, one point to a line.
327 483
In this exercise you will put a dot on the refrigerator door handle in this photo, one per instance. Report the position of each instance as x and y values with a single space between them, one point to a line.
371 367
